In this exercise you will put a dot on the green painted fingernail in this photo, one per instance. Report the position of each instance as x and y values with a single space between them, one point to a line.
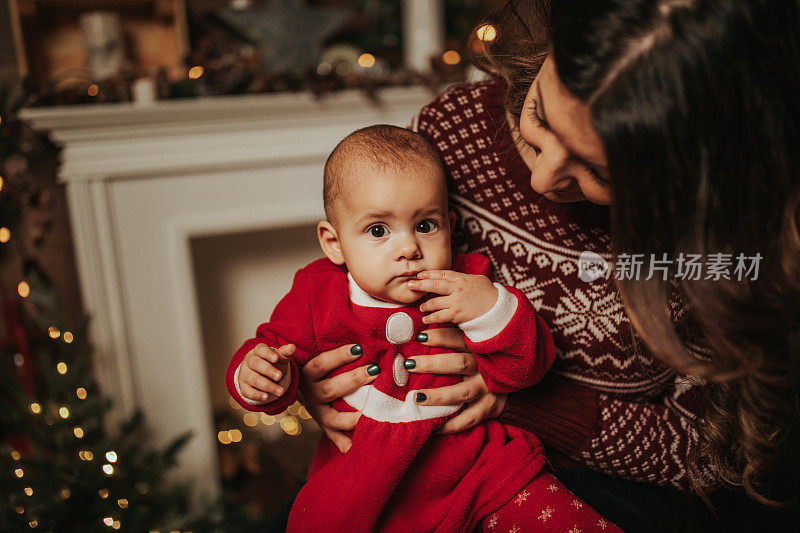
422 337
409 364
373 370
421 397
356 350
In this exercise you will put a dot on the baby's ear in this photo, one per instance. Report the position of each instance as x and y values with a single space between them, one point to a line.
329 242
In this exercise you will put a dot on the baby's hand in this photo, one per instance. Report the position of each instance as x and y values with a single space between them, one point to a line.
261 370
464 296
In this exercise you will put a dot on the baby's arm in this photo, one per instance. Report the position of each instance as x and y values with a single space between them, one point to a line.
267 363
257 370
512 345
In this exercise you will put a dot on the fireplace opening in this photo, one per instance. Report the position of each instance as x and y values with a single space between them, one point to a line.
239 278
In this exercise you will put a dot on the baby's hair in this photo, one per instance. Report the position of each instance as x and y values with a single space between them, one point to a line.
388 147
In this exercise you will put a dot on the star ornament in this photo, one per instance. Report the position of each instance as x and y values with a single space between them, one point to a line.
288 34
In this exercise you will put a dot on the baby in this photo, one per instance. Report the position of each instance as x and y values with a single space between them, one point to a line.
390 274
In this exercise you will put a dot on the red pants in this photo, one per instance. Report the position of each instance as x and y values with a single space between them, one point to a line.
546 505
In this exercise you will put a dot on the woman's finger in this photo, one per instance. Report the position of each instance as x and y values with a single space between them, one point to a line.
333 423
435 304
437 274
329 389
466 419
331 418
486 407
437 286
444 363
322 364
447 338
341 440
456 394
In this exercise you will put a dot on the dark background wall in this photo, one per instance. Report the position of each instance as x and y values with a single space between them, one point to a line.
8 58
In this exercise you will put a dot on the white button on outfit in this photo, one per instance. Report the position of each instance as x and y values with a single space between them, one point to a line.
399 330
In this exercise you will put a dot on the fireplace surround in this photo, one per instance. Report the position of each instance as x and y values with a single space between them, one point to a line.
142 182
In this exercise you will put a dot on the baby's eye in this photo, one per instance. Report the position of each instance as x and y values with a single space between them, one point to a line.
378 231
426 226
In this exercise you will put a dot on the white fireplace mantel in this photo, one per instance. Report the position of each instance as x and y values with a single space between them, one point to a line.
142 181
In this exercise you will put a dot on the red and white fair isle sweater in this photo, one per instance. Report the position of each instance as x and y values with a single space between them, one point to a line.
605 404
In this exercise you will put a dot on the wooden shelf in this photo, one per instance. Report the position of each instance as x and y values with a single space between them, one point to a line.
49 43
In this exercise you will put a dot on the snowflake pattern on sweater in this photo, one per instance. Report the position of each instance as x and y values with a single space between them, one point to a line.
631 417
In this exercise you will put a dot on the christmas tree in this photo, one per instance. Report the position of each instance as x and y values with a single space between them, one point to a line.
63 467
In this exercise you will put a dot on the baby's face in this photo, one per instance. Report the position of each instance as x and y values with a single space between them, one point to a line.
391 225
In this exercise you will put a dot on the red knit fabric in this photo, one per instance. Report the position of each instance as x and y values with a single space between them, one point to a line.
610 406
546 505
398 475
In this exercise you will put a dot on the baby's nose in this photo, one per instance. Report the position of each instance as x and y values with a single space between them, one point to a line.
409 249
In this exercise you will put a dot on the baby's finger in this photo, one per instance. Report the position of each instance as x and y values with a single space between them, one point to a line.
259 382
437 286
444 315
251 393
437 274
286 351
450 395
320 365
265 352
435 304
444 363
265 368
447 338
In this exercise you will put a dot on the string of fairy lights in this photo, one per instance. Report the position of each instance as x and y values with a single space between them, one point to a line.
485 33
110 457
63 411
289 421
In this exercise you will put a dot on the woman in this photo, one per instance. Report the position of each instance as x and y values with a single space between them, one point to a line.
682 116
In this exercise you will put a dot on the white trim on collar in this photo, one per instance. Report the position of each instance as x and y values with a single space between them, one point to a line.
359 297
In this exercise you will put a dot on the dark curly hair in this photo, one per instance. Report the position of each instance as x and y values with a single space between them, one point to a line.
697 103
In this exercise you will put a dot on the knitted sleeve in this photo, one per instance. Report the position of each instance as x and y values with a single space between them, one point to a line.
650 442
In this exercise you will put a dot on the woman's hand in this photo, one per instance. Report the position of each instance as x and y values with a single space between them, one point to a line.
318 391
481 404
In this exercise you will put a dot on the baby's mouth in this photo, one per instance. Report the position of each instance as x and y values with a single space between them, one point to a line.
410 274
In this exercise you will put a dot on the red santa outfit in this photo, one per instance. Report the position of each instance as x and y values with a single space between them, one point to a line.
397 475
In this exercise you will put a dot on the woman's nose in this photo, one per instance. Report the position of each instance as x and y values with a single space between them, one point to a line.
549 172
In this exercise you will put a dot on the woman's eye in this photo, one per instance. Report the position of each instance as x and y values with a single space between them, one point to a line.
378 231
600 180
539 121
426 226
